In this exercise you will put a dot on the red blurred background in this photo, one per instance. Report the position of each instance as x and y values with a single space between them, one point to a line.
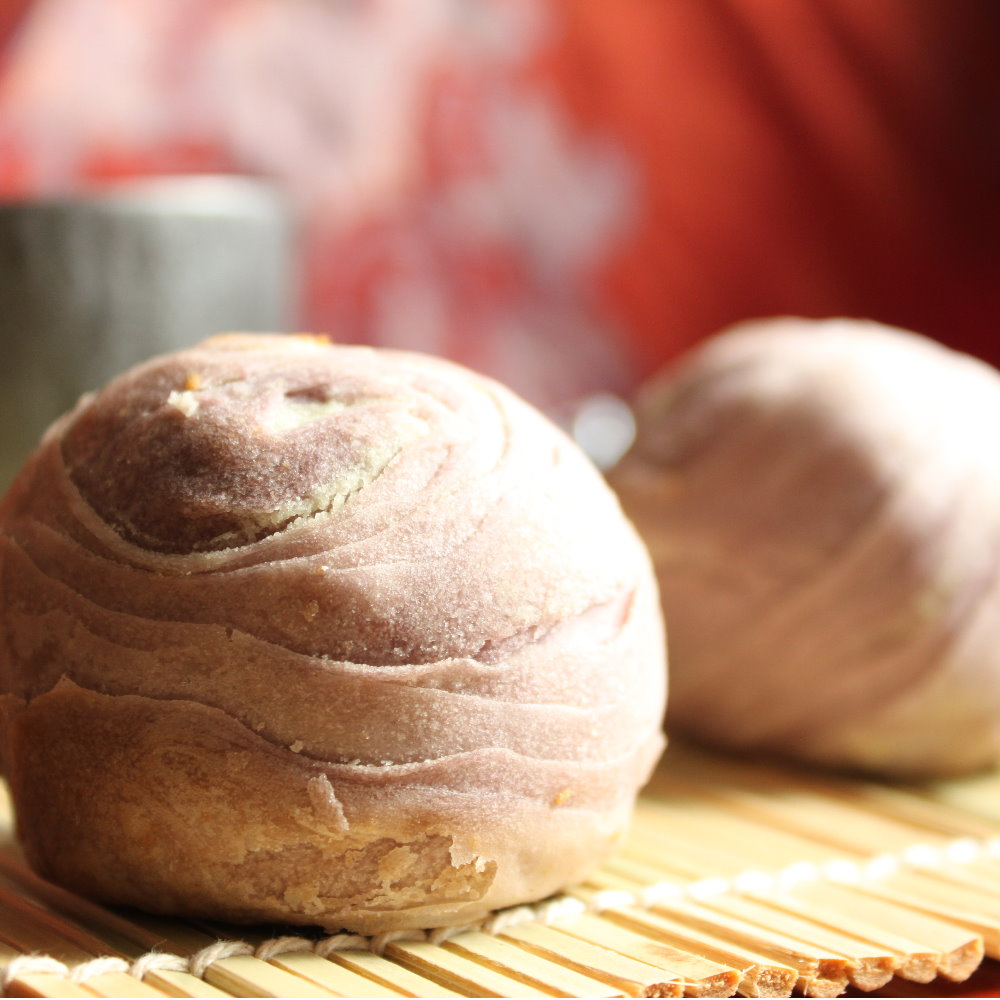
563 193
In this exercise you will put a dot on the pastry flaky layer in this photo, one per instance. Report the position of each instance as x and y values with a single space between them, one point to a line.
322 635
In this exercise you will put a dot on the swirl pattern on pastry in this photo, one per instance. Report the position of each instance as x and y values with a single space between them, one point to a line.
321 634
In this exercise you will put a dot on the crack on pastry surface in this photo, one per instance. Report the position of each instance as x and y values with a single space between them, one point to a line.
176 482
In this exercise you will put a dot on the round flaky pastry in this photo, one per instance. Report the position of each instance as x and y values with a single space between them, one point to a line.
822 502
322 635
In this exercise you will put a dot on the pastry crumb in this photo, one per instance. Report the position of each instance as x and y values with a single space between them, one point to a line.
183 401
563 797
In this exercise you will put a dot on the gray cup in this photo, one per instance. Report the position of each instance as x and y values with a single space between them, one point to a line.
90 286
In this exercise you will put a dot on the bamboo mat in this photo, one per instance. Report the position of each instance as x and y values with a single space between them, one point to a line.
737 877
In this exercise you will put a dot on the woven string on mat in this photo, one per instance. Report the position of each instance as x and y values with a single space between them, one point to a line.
844 871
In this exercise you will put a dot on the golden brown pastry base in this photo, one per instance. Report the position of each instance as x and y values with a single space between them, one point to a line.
177 808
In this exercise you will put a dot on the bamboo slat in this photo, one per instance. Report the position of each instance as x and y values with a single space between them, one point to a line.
36 984
246 976
633 976
550 975
700 976
462 974
46 984
818 972
933 946
335 979
758 975
24 930
403 981
183 984
737 877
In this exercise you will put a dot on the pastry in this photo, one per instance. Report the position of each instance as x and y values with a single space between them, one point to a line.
321 635
822 503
